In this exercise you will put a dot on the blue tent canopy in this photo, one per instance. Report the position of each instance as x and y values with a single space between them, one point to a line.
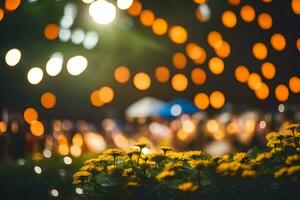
177 107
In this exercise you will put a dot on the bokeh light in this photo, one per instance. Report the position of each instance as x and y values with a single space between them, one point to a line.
179 60
224 50
76 65
51 31
265 21
48 100
216 65
203 12
278 42
147 17
234 2
37 128
12 5
35 75
30 115
160 26
260 51
1 14
294 84
95 99
179 82
201 101
247 13
95 142
217 99
295 4
162 74
298 44
13 57
254 81
102 12
229 19
241 74
122 74
178 34
54 64
282 93
268 70
194 51
262 92
198 76
136 8
106 94
214 39
124 4
142 81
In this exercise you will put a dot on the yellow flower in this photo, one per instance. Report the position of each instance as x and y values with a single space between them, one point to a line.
111 168
248 173
165 174
127 172
292 158
293 169
114 152
239 156
200 163
132 152
165 149
225 157
142 145
188 187
280 172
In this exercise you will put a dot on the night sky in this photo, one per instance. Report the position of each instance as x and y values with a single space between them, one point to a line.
140 50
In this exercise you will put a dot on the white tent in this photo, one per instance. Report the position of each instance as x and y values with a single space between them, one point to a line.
144 107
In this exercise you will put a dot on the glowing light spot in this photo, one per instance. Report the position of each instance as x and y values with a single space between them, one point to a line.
282 93
247 13
201 101
216 65
178 34
203 13
12 5
234 2
95 142
199 1
47 153
162 74
160 26
268 70
224 50
298 44
179 82
54 64
135 9
48 100
106 94
67 160
295 4
147 17
217 99
30 115
37 128
79 191
214 39
13 57
51 31
260 51
91 39
254 81
77 36
35 75
37 169
76 65
262 91
198 76
265 21
54 193
75 150
102 12
179 60
122 74
241 74
278 42
176 110
212 126
281 108
194 51
229 19
142 81
124 4
1 14
95 99
294 84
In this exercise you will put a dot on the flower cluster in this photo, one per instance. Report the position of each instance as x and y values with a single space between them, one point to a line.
119 174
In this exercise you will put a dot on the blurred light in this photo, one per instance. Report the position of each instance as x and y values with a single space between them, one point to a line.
278 42
14 127
67 160
234 2
281 108
201 101
135 9
30 115
298 44
54 64
216 65
87 1
188 126
268 70
254 81
224 50
147 17
179 82
75 150
3 127
142 81
122 74
212 126
90 40
178 34
35 75
1 14
13 57
295 4
37 128
76 65
102 12
160 26
124 4
48 100
95 99
54 192
21 162
266 1
162 74
66 21
47 153
179 60
95 142
203 12
79 191
176 110
294 84
217 99
260 51
214 39
77 36
77 139
282 93
247 13
262 124
37 169
12 5
265 21
51 31
229 19
193 51
63 149
121 141
106 94
199 1
64 34
262 91
241 74
198 76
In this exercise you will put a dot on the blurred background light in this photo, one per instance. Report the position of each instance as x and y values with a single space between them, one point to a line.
102 12
179 60
77 36
124 4
142 81
65 34
13 57
35 75
179 82
203 12
122 74
178 34
76 65
91 40
54 64
48 100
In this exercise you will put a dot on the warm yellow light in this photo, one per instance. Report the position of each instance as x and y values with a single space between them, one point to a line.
102 12
254 81
122 74
268 70
224 50
262 91
77 139
37 128
76 65
198 76
75 150
229 19
3 127
294 84
217 99
13 57
1 14
241 74
282 93
95 99
63 149
136 8
12 5
265 21
124 4
194 51
201 101
142 81
234 2
247 13
214 39
106 94
178 34
147 17
30 115
160 26
95 142
260 51
179 60
278 42
216 65
162 74
212 126
51 31
48 100
179 82
35 75
295 4
298 44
